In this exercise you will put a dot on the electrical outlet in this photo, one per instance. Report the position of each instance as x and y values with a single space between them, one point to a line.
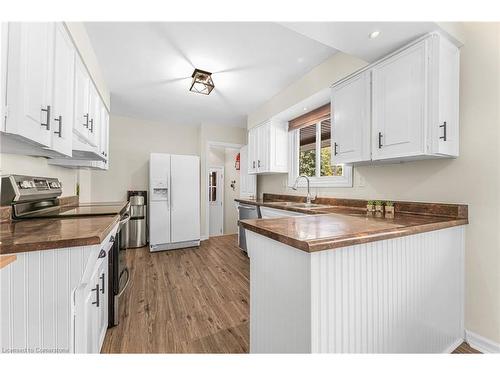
361 181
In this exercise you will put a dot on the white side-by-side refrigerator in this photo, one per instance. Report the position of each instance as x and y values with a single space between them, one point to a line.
174 201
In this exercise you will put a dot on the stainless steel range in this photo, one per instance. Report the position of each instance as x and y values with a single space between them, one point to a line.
37 198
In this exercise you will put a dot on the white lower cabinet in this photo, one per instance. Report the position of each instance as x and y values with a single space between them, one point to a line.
91 309
56 300
271 213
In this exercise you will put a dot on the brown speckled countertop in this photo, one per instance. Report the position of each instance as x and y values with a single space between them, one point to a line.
342 222
52 233
42 234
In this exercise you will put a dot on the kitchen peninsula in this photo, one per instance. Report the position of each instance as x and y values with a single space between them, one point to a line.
333 278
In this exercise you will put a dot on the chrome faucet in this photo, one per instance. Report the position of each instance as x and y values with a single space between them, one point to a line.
296 184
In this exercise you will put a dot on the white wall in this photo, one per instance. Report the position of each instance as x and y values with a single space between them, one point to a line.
473 178
131 142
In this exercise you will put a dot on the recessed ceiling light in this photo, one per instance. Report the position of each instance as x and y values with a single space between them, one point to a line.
300 60
202 82
374 34
305 108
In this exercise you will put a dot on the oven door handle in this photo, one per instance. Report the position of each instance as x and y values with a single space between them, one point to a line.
126 283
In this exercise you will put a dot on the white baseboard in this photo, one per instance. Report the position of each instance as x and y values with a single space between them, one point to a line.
204 237
481 343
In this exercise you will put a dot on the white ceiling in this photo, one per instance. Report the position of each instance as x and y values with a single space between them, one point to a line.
148 67
353 37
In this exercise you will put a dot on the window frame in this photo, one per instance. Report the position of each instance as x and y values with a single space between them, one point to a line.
318 181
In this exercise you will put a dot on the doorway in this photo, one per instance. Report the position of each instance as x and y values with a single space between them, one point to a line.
222 187
216 200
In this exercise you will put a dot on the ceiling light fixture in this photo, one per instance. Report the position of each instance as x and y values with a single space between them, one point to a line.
374 34
202 82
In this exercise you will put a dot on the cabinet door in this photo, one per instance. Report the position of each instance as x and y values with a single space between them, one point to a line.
95 115
88 303
103 302
82 92
350 120
252 150
263 147
248 182
63 103
104 138
448 70
399 104
30 60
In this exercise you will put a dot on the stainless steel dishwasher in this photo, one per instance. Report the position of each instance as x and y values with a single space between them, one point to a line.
246 211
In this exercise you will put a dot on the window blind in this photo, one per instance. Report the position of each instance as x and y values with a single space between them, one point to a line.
310 118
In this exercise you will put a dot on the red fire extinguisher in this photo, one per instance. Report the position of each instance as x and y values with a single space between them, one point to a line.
237 163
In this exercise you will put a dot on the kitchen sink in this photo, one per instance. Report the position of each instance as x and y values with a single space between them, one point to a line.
299 204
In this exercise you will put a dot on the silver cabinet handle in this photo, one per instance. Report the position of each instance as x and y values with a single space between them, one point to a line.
103 283
47 124
59 120
96 289
253 164
91 125
380 140
86 120
335 145
258 164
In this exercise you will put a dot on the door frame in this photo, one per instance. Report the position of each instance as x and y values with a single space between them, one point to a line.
209 144
220 193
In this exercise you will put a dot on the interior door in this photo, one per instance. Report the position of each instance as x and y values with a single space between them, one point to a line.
30 80
350 120
159 201
216 200
399 104
185 198
64 63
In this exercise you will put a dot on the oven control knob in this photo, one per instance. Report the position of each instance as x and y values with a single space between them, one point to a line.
25 184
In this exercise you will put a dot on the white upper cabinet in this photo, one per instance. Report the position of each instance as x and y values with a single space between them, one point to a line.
411 111
50 106
268 148
63 95
82 92
94 117
445 64
350 109
399 104
29 81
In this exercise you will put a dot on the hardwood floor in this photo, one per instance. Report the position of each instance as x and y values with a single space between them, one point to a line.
465 349
187 301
